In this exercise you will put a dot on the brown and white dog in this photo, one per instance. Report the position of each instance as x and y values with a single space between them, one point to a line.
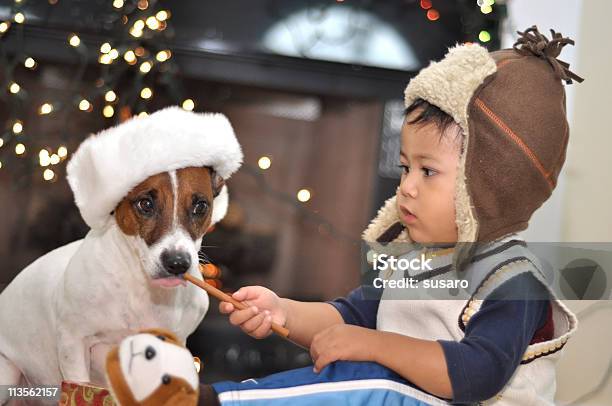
61 314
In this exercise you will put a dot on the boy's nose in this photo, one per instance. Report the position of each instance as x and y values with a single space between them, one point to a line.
408 186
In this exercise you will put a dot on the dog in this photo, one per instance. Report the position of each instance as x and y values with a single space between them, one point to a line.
61 315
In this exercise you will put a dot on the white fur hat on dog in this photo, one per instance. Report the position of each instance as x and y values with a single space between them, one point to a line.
109 164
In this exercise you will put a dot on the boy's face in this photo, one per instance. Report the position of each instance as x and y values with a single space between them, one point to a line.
426 195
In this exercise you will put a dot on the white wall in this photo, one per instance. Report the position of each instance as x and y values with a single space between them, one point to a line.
563 16
588 195
580 209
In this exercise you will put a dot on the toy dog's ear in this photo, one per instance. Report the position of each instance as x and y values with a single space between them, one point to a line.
163 335
217 182
118 387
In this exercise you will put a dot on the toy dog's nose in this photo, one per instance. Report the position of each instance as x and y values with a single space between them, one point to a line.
176 262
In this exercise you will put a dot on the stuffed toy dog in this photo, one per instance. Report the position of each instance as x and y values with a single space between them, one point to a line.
152 369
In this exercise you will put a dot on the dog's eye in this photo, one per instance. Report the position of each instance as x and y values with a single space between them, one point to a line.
199 208
162 338
145 206
166 379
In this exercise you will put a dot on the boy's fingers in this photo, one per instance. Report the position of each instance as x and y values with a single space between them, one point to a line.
226 307
321 363
314 353
264 328
240 316
315 344
253 323
245 293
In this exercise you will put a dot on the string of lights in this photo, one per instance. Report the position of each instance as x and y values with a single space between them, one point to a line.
133 45
324 226
486 7
116 56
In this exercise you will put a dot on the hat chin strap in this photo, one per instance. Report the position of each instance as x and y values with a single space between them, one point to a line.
220 204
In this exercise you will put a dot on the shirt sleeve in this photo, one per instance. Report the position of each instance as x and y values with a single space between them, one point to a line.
496 338
359 307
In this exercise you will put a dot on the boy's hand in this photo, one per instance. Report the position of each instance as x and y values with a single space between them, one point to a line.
343 342
264 308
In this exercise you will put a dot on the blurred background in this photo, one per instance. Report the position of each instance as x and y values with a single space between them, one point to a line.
314 91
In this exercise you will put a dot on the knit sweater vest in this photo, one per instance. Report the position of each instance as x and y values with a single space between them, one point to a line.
418 315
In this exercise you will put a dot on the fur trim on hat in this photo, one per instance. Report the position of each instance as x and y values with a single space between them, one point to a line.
107 165
386 217
450 84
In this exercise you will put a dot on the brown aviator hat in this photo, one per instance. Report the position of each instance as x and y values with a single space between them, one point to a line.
510 105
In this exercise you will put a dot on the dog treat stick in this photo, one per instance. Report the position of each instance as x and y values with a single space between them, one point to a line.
224 297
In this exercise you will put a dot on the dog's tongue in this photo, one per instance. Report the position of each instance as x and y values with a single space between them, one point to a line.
168 282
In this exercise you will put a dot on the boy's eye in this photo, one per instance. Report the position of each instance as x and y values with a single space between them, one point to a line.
429 172
405 168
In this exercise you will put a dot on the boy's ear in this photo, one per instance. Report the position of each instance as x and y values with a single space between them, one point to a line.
217 182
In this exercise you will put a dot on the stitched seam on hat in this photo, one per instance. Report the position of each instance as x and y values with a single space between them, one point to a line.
561 155
517 140
507 61
504 62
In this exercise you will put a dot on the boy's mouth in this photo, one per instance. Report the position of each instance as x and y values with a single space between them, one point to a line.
407 216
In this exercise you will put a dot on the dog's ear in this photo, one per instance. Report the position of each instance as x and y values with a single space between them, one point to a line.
217 182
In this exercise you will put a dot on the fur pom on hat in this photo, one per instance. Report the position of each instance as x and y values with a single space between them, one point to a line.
107 165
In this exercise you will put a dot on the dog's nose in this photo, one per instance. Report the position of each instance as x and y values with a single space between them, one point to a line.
176 262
